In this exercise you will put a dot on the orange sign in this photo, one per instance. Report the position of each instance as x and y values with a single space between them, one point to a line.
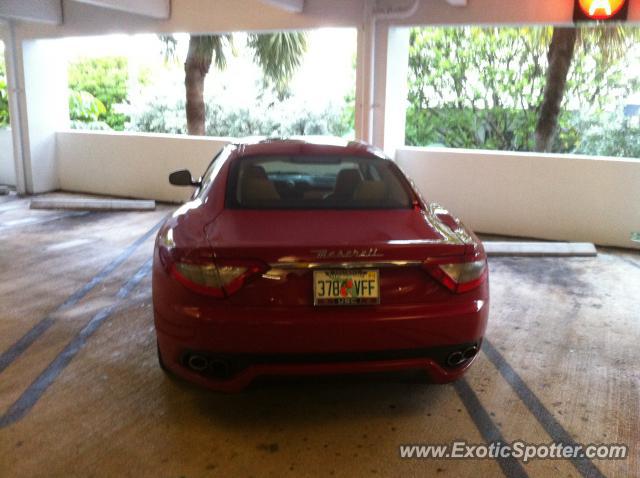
601 9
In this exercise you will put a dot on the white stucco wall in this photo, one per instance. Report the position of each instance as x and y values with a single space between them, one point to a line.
557 197
45 102
7 167
131 165
552 197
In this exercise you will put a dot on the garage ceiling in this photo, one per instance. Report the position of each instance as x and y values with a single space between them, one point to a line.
51 11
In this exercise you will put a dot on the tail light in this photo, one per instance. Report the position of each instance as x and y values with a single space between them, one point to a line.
459 276
217 278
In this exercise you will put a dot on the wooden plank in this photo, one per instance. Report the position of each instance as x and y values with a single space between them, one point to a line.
91 204
540 249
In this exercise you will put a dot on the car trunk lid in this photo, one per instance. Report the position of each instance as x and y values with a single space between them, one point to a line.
294 243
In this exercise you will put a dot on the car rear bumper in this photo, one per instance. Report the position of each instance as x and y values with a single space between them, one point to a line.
243 378
244 343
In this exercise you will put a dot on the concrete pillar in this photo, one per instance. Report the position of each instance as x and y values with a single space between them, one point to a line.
39 109
364 85
390 87
396 89
12 55
379 85
382 81
7 167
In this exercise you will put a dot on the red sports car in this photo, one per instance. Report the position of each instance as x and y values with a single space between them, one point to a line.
296 257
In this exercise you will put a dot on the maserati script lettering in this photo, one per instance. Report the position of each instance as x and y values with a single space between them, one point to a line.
347 253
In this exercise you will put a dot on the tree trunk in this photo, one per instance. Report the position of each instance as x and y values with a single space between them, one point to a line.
561 49
196 68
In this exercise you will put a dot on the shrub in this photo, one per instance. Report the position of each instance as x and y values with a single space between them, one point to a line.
289 117
159 114
611 135
90 125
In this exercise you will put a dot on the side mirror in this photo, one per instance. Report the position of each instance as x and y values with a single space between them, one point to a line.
182 178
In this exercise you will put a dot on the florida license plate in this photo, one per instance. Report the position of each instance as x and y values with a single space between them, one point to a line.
346 287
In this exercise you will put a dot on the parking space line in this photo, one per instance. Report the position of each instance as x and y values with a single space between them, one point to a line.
510 466
34 221
536 407
10 207
630 262
37 388
24 342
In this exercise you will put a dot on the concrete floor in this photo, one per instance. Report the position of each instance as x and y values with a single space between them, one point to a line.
81 393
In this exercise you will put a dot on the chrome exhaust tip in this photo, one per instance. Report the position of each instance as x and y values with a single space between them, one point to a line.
460 357
470 352
455 359
198 363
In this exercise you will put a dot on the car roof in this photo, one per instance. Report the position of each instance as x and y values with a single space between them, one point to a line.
257 146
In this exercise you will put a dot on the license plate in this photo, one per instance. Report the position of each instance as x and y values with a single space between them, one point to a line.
346 287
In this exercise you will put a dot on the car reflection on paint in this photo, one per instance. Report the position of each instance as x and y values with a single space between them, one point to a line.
296 257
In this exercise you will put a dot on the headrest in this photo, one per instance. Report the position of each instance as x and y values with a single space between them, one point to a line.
370 191
346 182
255 191
255 172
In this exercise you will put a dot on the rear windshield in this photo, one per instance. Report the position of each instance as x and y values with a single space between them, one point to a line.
316 182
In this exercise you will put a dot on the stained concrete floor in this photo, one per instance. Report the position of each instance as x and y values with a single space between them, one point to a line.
81 393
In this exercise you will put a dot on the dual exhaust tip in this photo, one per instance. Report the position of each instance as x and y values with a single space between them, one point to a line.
460 357
215 367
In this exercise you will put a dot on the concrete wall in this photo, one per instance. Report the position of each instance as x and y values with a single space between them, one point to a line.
7 166
131 165
43 72
531 195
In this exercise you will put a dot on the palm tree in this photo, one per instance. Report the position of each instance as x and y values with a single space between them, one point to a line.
611 41
278 54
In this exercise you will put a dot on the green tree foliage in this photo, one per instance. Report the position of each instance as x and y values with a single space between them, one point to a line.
473 87
85 107
4 99
278 54
105 79
346 126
